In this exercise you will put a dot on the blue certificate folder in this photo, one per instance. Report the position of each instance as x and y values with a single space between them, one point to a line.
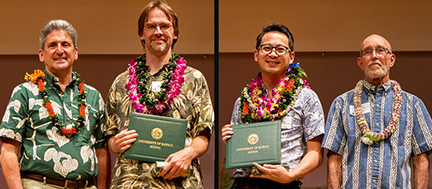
254 142
158 137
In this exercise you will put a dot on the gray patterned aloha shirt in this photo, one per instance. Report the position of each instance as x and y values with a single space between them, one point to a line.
388 163
44 151
193 104
303 122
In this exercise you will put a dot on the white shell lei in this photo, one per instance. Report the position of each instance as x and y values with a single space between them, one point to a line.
370 137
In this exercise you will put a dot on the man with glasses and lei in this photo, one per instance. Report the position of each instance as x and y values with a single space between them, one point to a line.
373 131
55 121
279 93
159 82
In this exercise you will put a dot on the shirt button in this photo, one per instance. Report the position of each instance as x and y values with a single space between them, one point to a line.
67 105
61 93
375 161
377 105
68 119
374 180
377 124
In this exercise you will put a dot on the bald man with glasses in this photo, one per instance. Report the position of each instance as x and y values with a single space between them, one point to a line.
375 132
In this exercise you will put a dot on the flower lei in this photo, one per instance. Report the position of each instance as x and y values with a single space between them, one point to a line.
256 107
370 137
38 77
143 100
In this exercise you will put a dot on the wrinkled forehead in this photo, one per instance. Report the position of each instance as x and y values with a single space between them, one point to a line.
374 41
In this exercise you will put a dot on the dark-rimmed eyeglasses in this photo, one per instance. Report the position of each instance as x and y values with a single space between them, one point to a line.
280 49
152 27
380 51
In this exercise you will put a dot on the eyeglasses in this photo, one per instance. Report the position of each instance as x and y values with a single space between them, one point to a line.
280 49
380 51
152 27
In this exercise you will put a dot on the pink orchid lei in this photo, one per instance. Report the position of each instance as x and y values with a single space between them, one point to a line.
370 137
142 98
255 106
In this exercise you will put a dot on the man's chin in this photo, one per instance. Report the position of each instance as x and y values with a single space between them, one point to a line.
159 48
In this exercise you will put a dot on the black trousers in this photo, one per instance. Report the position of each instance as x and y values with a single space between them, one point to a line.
258 183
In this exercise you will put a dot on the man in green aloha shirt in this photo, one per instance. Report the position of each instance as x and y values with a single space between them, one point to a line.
144 88
55 121
279 93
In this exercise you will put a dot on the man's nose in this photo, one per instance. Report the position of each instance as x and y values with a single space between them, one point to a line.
158 30
59 49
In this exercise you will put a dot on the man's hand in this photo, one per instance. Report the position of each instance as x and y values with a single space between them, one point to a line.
178 163
122 141
273 172
227 131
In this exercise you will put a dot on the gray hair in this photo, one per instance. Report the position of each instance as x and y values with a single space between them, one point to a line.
57 25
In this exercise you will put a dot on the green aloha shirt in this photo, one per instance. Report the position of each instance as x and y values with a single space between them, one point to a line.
193 104
44 151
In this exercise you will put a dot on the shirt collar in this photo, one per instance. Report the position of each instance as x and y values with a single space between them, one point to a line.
386 86
50 79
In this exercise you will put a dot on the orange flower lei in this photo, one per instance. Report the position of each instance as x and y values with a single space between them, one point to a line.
38 77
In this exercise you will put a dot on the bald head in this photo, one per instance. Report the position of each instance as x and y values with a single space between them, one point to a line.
373 40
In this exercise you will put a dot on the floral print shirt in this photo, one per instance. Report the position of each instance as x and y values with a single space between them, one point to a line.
303 122
193 104
44 151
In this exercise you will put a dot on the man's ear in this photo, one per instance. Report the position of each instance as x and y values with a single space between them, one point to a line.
392 60
360 63
41 57
292 56
76 53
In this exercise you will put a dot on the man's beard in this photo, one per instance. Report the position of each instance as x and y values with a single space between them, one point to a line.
158 47
162 47
379 73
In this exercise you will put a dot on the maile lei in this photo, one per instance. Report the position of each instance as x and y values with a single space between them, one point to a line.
370 137
143 99
256 107
38 77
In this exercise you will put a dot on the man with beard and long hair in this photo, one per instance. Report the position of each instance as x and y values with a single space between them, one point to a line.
159 82
376 131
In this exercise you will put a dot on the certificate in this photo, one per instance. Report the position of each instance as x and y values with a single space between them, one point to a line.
254 142
158 137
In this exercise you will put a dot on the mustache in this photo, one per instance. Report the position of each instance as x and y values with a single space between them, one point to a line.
158 37
375 62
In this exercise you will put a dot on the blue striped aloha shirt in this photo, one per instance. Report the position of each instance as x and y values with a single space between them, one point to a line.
388 163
